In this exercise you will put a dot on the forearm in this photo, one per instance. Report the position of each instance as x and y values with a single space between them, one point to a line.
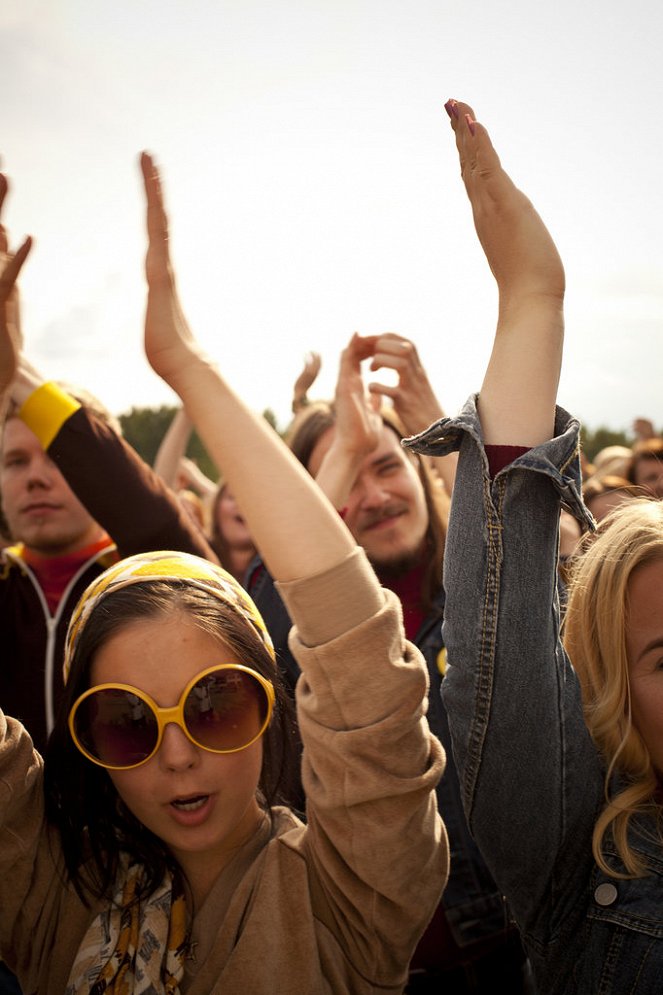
122 492
198 480
517 397
118 489
338 472
296 529
173 447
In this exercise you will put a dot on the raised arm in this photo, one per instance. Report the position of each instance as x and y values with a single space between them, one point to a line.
305 380
415 402
517 398
281 502
172 447
95 461
10 322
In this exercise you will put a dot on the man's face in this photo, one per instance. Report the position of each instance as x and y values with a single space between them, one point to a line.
40 508
386 511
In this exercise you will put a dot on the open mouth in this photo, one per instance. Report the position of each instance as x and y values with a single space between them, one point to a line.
189 804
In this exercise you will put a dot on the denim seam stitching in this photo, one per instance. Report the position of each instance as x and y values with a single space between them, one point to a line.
488 628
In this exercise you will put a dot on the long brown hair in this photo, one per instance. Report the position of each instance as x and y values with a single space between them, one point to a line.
82 805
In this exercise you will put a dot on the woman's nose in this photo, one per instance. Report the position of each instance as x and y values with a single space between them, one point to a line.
176 751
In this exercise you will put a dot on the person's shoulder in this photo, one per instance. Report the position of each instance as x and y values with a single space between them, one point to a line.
288 830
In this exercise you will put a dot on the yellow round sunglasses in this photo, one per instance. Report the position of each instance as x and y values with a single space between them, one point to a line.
223 709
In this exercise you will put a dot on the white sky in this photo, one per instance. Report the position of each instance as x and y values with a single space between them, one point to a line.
313 185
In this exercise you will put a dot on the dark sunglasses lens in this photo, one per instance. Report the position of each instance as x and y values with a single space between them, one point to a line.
225 710
116 727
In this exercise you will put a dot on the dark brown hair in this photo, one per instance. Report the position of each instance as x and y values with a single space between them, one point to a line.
93 824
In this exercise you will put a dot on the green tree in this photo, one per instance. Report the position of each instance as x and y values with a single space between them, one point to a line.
144 428
594 441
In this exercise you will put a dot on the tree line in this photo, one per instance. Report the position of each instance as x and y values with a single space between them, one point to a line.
144 428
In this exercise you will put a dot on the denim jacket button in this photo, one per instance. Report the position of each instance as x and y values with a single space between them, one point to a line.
605 894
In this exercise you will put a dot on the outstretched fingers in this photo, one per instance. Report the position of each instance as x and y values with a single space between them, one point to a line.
4 186
518 247
169 344
480 165
157 262
11 270
10 329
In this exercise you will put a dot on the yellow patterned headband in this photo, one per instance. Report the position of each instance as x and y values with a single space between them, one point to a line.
163 565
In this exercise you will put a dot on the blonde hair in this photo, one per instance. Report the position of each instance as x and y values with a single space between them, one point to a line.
594 634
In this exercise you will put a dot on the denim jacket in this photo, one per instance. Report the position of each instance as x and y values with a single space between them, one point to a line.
475 908
531 778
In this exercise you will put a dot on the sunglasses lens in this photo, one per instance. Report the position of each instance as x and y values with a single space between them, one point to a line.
226 710
116 727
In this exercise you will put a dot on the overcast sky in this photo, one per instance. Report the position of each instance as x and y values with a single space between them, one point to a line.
313 186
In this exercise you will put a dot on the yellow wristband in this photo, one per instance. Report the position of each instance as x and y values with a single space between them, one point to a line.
46 410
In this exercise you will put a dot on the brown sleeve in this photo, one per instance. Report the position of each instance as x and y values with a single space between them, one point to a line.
121 492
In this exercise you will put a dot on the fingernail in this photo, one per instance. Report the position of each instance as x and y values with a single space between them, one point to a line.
470 123
451 107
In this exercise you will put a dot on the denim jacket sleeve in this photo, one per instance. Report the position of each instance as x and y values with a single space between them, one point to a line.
530 776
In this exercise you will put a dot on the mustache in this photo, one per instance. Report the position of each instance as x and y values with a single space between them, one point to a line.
371 518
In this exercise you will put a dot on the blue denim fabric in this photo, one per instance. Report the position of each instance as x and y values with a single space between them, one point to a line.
475 909
531 779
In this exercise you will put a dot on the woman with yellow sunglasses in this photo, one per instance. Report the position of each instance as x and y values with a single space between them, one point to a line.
151 851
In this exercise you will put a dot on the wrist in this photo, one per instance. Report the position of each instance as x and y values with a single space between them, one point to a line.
299 401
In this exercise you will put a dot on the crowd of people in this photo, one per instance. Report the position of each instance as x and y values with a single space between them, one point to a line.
376 710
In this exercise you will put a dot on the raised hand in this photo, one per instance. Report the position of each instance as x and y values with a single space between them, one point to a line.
279 499
358 423
305 380
10 323
413 397
520 252
517 398
643 429
168 341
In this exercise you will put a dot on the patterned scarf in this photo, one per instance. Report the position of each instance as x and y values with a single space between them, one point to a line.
133 948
